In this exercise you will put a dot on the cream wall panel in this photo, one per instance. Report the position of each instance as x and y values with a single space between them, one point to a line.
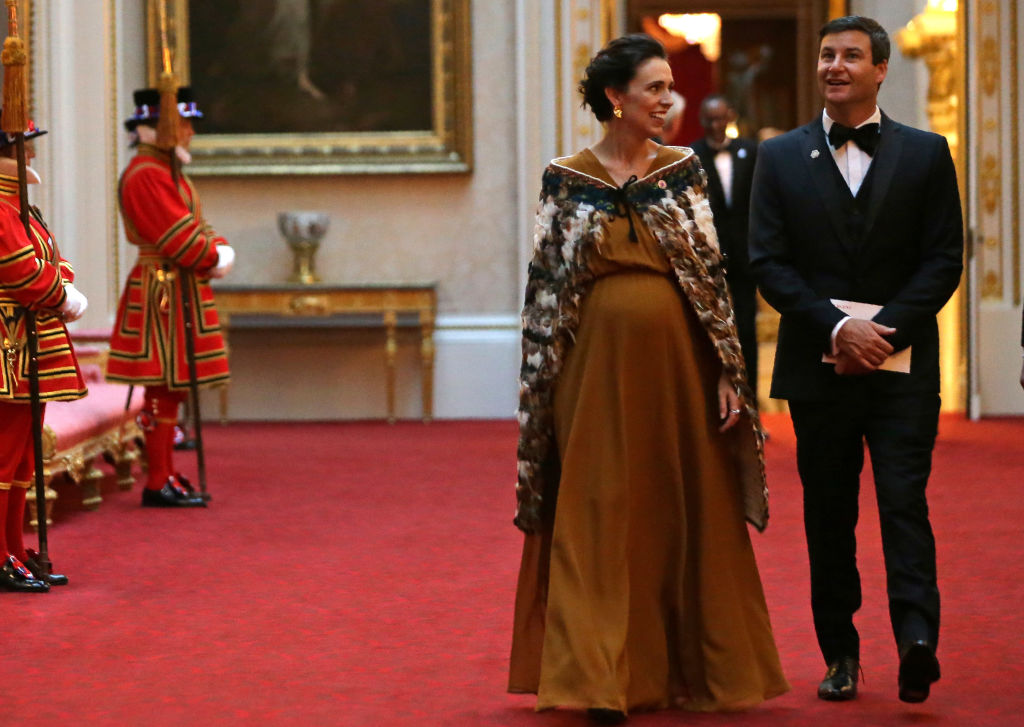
72 84
994 117
582 27
998 354
536 116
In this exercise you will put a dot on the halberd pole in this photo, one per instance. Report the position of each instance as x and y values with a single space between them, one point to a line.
167 138
14 122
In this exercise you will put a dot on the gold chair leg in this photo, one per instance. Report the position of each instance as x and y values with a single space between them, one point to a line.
427 364
91 479
391 350
33 506
124 457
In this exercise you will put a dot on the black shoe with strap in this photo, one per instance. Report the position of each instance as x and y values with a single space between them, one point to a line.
840 682
14 576
183 482
170 495
36 568
919 668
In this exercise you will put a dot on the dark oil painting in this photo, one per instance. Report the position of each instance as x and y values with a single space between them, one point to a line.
311 66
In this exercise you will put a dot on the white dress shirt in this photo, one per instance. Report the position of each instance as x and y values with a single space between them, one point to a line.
852 161
723 165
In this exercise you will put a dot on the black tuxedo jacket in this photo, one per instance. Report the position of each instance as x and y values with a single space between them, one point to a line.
731 222
908 258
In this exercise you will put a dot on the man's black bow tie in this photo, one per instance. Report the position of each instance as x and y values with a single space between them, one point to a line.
866 137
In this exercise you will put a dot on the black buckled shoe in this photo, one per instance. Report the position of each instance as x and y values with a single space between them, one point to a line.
919 668
14 576
36 568
170 495
840 683
183 482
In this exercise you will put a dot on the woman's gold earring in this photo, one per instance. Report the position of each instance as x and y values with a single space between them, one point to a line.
617 111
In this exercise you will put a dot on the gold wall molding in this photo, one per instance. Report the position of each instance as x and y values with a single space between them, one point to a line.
992 285
988 61
991 183
932 37
988 109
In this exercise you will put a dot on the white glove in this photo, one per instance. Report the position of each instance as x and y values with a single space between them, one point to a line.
74 305
225 259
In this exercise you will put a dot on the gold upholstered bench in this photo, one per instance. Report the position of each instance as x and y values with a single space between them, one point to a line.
76 433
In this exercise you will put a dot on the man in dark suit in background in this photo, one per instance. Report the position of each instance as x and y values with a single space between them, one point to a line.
729 164
857 207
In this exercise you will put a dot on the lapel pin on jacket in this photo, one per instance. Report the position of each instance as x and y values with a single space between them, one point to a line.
814 153
742 153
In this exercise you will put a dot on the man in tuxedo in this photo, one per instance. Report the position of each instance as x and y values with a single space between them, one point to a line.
857 207
729 164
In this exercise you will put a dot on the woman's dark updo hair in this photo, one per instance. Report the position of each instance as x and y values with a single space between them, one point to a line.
615 66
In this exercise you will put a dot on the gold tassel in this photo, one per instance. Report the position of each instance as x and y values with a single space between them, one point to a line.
167 125
15 61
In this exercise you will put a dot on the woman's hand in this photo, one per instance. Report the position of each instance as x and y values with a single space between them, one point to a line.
729 408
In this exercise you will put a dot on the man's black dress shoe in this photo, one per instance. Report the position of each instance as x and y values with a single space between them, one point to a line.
918 669
606 716
170 495
840 683
16 577
36 568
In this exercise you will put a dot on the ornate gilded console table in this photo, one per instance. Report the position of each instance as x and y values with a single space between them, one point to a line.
387 304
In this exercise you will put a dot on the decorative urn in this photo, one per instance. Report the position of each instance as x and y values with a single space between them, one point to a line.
302 229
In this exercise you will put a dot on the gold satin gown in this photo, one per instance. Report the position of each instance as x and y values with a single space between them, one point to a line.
646 594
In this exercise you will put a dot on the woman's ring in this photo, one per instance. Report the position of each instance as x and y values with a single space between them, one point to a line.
735 411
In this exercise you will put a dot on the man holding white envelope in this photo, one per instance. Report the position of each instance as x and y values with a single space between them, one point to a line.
856 238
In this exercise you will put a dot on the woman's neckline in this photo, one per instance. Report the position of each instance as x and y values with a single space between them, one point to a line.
658 164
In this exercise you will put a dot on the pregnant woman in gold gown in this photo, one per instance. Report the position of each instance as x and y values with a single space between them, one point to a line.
640 451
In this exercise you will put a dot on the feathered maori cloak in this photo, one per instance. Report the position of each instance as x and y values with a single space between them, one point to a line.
572 219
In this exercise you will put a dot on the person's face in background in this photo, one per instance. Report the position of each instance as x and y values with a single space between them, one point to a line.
11 151
185 132
715 117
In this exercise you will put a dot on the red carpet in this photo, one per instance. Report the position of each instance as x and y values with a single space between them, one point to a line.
361 574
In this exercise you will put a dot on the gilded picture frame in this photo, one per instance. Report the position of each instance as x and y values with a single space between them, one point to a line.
322 87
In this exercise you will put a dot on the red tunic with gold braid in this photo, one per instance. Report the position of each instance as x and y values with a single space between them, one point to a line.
32 275
176 247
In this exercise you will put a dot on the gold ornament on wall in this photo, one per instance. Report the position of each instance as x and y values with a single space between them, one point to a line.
932 36
991 286
988 62
991 182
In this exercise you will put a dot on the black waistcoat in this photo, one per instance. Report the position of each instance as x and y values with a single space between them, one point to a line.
855 209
